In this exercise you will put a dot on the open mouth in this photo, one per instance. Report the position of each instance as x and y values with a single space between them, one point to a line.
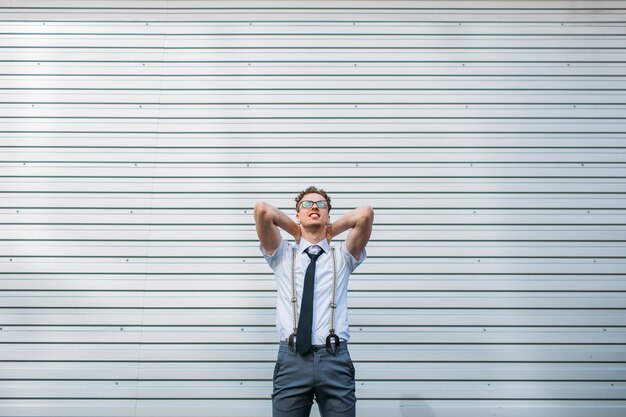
314 215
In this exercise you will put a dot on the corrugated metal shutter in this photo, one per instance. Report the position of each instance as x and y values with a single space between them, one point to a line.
137 135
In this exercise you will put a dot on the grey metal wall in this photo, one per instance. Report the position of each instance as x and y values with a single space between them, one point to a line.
137 135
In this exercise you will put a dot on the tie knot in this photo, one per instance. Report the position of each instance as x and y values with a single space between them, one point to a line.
314 252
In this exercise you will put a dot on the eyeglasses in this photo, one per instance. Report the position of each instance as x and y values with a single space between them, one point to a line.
307 204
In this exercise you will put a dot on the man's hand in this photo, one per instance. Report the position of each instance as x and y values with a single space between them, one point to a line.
297 233
329 232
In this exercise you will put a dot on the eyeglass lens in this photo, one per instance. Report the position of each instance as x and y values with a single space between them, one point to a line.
308 203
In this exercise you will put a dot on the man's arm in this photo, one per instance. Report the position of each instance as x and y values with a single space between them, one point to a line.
360 220
268 219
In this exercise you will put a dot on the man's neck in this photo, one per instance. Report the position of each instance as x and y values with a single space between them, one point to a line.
314 236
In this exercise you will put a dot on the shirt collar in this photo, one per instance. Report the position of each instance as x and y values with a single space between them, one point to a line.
304 245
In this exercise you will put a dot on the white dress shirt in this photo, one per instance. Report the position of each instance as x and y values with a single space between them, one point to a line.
280 262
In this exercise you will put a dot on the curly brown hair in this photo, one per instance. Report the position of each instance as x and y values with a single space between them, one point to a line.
310 190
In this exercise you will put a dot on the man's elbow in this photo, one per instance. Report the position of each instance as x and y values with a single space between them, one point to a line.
367 214
261 210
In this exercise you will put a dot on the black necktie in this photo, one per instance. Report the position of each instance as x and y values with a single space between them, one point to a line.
305 323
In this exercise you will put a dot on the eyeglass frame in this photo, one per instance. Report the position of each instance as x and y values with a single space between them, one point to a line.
316 203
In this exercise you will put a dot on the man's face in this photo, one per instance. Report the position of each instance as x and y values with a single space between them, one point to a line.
314 215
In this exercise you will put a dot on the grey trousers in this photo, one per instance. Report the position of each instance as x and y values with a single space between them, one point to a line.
327 378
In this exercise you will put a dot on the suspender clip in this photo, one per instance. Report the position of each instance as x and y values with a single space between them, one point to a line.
291 341
335 338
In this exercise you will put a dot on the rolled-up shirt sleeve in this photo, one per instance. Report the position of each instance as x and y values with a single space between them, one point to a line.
351 262
273 259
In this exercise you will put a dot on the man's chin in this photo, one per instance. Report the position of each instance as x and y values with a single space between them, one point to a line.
314 225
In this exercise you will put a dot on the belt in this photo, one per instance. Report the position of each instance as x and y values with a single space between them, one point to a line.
317 348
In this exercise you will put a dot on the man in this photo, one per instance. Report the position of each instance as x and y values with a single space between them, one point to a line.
312 311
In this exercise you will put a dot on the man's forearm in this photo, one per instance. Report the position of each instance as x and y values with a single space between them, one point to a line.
360 222
351 219
285 222
278 218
